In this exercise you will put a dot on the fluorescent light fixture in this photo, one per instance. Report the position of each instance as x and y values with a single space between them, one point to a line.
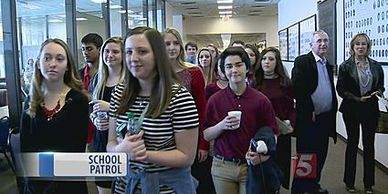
135 16
98 1
81 19
115 7
55 21
227 15
225 7
123 11
224 1
142 19
225 12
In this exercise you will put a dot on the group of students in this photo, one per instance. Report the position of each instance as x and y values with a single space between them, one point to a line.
171 101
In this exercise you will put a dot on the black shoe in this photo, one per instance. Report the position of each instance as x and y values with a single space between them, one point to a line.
351 189
320 191
294 192
368 190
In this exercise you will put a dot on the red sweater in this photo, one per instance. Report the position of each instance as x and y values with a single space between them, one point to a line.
192 79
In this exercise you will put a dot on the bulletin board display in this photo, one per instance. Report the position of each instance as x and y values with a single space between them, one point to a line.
293 42
295 39
307 28
283 48
369 17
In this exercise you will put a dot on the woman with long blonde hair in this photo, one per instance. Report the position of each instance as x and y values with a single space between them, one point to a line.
191 77
111 72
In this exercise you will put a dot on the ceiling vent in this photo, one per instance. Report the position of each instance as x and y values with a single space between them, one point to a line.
192 8
267 1
187 3
195 13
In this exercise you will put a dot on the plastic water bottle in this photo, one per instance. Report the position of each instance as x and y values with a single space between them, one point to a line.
102 115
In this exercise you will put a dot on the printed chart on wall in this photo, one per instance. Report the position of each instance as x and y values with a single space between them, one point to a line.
293 42
369 17
283 44
307 28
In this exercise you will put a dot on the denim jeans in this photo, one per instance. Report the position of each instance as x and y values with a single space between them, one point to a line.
179 179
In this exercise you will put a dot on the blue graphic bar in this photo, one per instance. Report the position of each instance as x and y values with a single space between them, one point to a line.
46 164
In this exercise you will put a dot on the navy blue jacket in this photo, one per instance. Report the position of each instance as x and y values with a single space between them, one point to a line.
265 178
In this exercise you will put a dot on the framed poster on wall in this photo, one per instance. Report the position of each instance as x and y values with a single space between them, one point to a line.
283 48
371 18
307 28
293 42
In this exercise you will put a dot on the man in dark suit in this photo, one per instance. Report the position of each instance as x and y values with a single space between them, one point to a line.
316 107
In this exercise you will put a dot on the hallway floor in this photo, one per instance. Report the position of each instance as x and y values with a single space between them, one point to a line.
331 176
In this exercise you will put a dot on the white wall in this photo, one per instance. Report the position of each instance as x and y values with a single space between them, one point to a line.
305 9
291 12
257 24
287 17
89 26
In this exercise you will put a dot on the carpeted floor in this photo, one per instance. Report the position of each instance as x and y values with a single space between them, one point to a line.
331 180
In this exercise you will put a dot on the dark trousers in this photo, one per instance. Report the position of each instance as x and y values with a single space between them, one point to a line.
264 178
283 157
202 172
313 139
368 126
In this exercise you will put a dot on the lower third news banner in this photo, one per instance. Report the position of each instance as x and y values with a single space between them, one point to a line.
53 164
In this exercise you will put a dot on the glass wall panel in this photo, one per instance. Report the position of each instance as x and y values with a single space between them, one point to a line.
160 15
3 85
2 66
89 19
151 13
117 17
37 20
137 13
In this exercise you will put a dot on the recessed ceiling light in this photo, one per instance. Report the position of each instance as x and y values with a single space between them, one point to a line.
115 7
123 11
224 1
225 15
135 16
98 1
81 19
225 12
55 21
225 7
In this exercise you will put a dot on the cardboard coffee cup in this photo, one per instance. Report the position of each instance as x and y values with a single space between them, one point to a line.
236 114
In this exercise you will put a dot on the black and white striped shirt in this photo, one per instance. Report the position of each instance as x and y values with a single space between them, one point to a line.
180 115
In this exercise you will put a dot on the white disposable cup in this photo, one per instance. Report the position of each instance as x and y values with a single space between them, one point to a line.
236 114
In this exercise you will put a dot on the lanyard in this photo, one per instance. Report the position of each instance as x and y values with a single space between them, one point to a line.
141 118
134 127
